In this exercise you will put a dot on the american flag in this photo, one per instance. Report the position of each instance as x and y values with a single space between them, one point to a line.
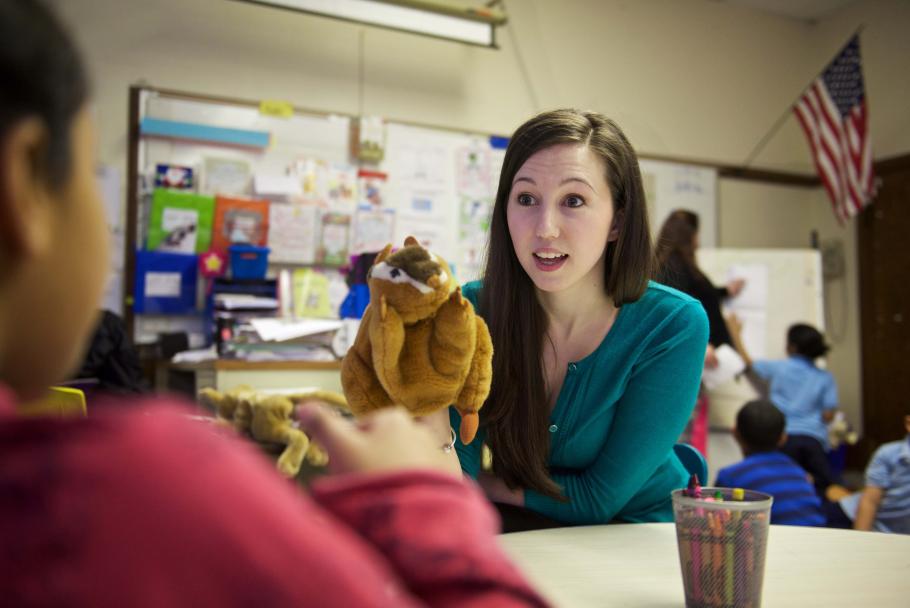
835 119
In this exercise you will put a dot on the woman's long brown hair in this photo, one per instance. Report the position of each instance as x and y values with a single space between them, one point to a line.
677 239
516 414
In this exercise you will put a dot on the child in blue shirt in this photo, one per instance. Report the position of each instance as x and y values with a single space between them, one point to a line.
884 504
759 432
805 394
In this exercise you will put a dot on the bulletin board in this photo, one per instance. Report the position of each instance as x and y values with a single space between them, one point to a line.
199 165
783 287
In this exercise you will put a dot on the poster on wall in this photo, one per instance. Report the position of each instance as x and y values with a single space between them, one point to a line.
474 226
240 221
293 233
334 242
373 229
423 214
180 222
472 169
228 176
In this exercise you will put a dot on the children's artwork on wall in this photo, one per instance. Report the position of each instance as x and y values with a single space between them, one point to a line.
341 188
371 187
474 226
473 169
228 176
311 173
333 247
175 177
311 294
240 221
293 233
333 187
180 222
373 228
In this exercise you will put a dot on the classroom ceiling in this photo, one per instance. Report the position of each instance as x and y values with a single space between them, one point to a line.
806 10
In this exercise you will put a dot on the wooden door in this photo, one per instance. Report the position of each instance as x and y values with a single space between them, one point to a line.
884 279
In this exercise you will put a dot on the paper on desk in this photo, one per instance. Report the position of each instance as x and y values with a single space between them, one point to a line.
283 329
195 356
729 363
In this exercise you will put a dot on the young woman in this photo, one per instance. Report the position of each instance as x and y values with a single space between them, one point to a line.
143 507
595 369
676 245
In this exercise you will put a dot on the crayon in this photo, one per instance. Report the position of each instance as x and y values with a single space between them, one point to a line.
728 579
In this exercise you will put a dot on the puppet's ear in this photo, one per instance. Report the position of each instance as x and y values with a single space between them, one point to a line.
408 241
383 254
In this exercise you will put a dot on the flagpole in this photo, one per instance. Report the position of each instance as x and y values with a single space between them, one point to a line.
783 117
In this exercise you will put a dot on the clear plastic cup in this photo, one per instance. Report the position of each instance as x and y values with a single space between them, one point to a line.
722 546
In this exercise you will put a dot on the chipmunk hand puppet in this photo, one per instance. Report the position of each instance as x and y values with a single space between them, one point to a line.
420 344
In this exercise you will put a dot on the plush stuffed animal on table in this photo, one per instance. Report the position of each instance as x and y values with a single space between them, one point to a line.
420 344
267 418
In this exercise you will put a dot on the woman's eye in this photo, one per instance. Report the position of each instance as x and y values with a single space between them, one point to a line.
574 201
524 200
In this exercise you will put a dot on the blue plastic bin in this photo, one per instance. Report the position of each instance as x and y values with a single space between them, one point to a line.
249 261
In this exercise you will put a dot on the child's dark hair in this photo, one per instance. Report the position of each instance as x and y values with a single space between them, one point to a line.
41 74
807 341
760 426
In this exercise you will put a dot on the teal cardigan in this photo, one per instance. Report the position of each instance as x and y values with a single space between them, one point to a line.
619 413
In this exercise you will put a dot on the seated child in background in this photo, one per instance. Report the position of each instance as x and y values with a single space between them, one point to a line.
759 432
145 507
884 504
805 394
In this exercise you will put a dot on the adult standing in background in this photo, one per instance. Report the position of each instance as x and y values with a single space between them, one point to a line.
676 245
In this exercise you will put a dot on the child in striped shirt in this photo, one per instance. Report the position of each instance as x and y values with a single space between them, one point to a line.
760 432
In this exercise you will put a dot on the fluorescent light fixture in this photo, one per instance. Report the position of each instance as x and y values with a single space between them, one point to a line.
436 19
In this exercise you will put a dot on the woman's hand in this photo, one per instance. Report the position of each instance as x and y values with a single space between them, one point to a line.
735 286
385 440
497 490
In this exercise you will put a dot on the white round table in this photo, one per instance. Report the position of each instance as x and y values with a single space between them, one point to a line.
638 565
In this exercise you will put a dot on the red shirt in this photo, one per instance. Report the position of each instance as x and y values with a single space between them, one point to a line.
144 507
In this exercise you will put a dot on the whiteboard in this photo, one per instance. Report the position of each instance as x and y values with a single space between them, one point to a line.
784 286
670 186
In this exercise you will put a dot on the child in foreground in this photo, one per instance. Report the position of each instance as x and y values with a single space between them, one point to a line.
143 507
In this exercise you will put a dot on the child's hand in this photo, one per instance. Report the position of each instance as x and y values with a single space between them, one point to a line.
735 325
711 361
385 440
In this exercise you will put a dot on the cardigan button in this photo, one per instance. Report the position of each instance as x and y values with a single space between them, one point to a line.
553 428
572 367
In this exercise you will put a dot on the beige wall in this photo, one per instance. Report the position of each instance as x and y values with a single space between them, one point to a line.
693 79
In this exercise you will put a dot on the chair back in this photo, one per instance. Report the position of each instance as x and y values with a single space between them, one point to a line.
60 401
693 461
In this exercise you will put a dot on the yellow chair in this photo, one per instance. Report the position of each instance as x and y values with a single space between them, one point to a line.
60 401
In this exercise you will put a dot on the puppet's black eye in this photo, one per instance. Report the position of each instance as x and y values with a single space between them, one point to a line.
395 272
